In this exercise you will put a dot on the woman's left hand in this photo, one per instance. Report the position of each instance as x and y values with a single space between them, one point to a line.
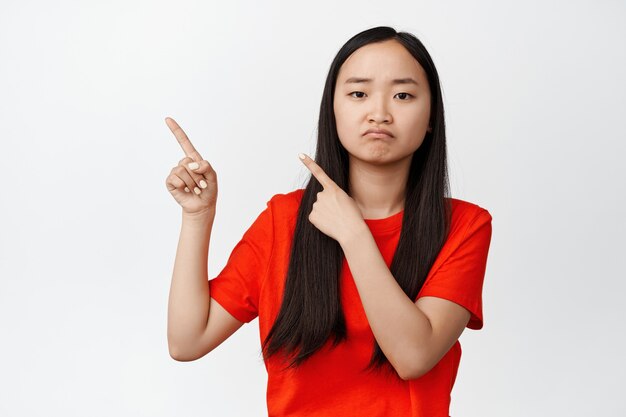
334 212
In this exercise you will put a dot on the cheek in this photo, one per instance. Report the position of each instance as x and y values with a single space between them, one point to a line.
342 120
348 116
417 119
339 112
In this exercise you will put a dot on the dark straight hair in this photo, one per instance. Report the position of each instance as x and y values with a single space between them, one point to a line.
311 307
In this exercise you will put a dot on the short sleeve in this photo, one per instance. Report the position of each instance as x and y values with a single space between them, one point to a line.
237 286
460 277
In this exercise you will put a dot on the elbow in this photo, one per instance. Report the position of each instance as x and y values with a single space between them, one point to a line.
414 368
180 349
181 355
413 373
181 358
176 355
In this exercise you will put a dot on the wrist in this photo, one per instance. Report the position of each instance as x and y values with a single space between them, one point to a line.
199 217
355 233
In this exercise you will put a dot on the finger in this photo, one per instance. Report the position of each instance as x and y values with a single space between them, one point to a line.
182 139
204 167
200 174
184 175
317 172
173 182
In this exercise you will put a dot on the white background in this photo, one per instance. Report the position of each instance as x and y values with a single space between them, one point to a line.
534 95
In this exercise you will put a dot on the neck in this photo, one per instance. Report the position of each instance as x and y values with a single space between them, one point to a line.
378 190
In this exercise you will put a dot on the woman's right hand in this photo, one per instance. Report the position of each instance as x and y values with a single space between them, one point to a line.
194 189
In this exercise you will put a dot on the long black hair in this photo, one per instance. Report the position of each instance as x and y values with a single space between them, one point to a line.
311 307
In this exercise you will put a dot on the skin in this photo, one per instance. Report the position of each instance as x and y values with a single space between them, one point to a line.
379 166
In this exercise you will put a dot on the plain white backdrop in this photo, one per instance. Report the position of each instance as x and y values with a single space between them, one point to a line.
535 100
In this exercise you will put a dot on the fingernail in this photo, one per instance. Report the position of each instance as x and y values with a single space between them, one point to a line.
202 184
186 189
193 165
301 156
196 190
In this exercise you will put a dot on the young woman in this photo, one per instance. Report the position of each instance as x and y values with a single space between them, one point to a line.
364 280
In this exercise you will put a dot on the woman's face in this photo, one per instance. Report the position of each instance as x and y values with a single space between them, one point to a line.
402 108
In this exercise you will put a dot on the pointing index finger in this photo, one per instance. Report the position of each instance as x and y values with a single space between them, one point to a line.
317 172
183 140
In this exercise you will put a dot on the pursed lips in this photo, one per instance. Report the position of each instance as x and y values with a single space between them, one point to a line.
378 135
381 133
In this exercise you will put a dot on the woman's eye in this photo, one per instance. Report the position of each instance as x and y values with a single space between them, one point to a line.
357 92
406 94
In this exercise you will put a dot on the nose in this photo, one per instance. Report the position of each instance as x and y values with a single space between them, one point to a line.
379 113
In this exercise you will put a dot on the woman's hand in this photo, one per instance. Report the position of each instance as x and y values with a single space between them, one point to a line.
194 188
334 212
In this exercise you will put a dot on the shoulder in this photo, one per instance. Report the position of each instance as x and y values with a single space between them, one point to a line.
292 197
285 205
466 214
287 199
469 222
469 235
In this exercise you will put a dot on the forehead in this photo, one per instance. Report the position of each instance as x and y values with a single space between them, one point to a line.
382 61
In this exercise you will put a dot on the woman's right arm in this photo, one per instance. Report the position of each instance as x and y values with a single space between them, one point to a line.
196 324
188 306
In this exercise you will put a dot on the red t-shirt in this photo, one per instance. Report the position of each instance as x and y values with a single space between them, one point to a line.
332 382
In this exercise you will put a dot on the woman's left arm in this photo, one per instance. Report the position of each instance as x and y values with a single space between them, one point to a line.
413 336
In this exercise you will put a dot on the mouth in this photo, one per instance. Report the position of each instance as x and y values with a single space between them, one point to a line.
378 132
381 135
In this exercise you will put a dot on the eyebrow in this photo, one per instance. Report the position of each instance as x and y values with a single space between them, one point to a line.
357 80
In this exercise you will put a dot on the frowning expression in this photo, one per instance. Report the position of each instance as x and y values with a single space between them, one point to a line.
381 86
